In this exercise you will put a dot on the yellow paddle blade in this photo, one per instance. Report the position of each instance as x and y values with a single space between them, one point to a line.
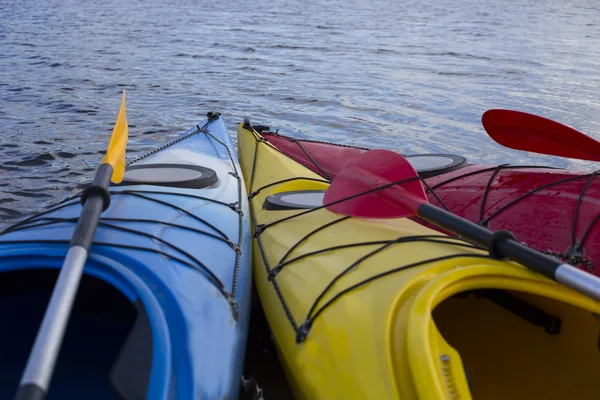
115 155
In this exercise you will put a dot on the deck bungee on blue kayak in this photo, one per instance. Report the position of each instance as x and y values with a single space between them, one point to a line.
162 310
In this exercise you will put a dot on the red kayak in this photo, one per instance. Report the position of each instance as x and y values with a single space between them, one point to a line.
552 210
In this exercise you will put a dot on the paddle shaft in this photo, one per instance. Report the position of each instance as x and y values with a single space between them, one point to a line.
42 359
507 247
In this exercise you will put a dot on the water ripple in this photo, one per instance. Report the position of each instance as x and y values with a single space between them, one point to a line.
410 76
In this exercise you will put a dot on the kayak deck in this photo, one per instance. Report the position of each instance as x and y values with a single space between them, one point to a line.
180 257
552 210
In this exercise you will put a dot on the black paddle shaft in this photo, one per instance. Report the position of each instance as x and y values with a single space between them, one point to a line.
500 244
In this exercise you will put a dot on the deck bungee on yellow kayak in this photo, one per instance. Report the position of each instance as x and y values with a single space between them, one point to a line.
390 309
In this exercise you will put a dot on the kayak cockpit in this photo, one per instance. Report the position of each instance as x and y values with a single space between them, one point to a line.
519 345
495 331
107 349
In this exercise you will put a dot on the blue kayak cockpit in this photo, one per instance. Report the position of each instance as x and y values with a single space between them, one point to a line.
117 343
107 333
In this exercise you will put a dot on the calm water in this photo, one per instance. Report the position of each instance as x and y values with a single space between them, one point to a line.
413 76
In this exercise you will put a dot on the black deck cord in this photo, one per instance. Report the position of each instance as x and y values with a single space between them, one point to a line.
279 265
480 171
324 173
531 192
261 248
286 309
486 192
221 289
575 249
236 175
200 266
54 220
403 239
589 229
304 328
428 189
443 240
496 169
291 139
27 223
262 227
72 200
253 194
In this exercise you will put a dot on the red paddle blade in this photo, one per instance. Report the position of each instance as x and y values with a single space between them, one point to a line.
374 169
522 131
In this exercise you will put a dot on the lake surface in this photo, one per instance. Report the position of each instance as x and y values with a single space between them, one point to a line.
411 76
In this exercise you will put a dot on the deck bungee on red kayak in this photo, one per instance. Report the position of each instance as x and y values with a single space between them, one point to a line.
551 210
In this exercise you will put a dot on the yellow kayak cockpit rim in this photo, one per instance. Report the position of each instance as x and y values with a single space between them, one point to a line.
492 332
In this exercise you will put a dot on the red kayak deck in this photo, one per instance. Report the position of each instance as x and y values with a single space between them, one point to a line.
552 210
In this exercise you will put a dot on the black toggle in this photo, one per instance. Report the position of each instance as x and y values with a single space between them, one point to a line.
213 116
498 237
234 306
259 229
260 128
273 273
575 254
303 330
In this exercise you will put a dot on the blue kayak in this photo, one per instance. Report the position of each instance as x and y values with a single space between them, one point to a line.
162 310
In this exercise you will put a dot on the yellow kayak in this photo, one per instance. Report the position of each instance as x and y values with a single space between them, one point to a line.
389 309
